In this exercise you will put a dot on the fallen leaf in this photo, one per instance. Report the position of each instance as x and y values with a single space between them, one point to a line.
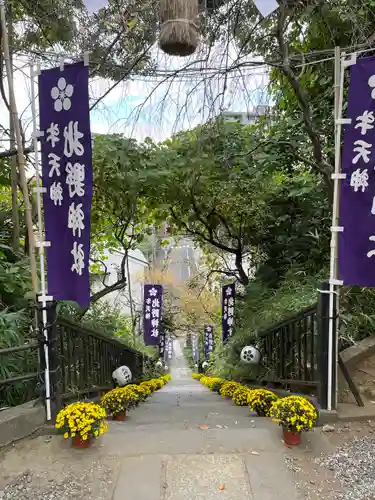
204 427
254 453
221 487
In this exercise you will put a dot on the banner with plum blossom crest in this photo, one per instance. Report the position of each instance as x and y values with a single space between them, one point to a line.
228 296
152 327
356 249
67 178
195 348
208 340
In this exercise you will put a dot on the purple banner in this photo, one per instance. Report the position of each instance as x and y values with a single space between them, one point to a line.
356 250
169 348
208 340
228 297
162 343
153 303
67 177
195 348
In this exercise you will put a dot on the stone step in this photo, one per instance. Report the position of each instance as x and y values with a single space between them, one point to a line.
205 477
154 440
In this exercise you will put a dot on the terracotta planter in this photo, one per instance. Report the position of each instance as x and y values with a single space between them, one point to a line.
78 442
291 438
120 417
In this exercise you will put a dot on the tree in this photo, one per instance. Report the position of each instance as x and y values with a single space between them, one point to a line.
118 38
187 305
120 219
238 199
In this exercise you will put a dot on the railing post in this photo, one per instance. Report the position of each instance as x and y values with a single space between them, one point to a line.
323 354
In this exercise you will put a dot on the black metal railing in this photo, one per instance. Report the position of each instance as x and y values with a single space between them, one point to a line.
290 350
81 363
87 359
19 374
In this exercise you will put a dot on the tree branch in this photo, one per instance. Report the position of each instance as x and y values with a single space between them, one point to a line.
320 165
13 152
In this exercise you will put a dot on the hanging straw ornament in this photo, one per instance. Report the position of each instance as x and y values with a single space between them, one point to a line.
179 34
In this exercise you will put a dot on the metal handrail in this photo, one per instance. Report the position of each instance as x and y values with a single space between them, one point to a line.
291 319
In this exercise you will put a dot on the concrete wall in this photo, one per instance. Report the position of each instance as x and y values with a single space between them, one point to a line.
21 421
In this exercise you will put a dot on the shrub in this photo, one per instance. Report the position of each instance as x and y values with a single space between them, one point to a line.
197 376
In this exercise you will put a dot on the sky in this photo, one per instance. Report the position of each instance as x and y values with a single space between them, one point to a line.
265 7
157 107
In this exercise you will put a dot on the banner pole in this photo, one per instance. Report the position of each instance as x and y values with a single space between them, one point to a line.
41 243
335 229
20 150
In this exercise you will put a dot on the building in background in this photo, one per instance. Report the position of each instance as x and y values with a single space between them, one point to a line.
246 118
131 296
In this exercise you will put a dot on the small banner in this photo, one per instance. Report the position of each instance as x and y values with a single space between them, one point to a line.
162 343
195 348
170 348
67 177
228 296
153 302
356 250
208 340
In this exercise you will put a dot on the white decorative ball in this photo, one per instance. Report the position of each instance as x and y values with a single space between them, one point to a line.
204 365
122 375
250 355
166 368
159 364
196 365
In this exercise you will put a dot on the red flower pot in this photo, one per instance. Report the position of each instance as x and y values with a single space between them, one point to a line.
120 417
78 442
291 438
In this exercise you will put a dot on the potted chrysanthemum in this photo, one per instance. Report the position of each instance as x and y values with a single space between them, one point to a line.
213 383
228 388
240 395
142 391
118 401
261 401
295 414
82 422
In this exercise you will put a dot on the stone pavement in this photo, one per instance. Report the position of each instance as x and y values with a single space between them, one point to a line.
160 453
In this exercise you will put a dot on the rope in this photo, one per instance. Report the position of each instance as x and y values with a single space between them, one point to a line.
183 21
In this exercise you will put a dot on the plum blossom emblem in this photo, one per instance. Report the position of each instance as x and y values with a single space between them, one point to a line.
61 94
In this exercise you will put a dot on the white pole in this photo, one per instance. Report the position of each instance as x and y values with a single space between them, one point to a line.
41 243
338 112
335 229
20 151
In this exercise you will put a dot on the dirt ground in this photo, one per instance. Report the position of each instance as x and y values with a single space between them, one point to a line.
318 464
